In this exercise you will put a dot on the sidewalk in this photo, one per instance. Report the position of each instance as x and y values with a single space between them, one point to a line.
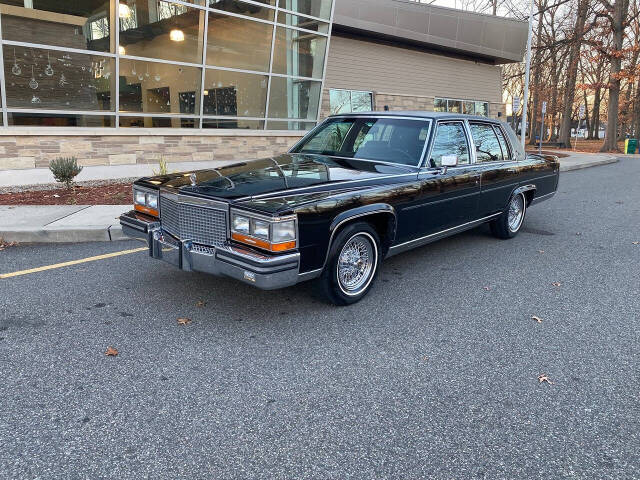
99 223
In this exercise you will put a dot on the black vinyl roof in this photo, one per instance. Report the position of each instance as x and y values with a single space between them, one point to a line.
418 114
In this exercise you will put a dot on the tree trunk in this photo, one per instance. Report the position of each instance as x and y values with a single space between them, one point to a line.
572 73
619 16
587 123
597 98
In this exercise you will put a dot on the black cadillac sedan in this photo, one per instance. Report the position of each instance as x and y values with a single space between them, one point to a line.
354 191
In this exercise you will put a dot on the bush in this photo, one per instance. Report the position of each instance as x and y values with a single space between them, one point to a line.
164 168
65 170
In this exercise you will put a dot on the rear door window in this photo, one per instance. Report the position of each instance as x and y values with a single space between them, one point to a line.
503 143
450 140
486 142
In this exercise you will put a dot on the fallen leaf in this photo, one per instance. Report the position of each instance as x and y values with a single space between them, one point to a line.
56 196
544 378
201 304
537 319
111 352
556 284
184 321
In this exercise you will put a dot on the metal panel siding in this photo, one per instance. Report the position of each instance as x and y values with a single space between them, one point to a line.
361 65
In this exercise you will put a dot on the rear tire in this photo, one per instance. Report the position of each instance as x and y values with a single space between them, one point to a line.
510 222
352 265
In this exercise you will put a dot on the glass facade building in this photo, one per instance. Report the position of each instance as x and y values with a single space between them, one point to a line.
212 64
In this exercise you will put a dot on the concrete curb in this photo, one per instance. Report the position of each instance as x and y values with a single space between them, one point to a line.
111 233
588 164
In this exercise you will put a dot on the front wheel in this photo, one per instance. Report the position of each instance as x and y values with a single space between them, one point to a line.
510 222
352 265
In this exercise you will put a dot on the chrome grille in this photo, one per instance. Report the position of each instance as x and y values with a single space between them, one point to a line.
186 221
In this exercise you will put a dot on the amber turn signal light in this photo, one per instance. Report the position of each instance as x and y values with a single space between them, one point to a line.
256 242
149 211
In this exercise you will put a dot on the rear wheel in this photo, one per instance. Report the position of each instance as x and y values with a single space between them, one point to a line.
510 222
352 265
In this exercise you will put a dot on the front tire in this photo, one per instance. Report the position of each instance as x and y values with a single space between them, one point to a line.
352 266
510 222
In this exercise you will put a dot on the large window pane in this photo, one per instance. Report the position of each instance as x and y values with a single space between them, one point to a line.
238 43
361 101
315 8
454 106
159 87
74 24
440 105
53 80
339 101
291 98
303 22
165 30
297 53
243 8
482 108
48 120
235 94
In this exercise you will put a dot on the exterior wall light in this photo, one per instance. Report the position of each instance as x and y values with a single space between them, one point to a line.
176 35
125 10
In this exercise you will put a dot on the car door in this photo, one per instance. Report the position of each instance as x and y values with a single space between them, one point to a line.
500 174
446 197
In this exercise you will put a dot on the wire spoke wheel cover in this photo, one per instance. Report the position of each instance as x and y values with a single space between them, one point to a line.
516 212
357 264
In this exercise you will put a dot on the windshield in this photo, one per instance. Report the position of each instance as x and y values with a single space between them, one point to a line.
393 140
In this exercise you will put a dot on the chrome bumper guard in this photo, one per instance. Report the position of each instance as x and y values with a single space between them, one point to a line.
268 272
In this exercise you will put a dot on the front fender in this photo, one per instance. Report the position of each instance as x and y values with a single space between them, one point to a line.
362 211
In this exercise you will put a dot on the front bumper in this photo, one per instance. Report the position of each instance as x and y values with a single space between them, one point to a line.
267 272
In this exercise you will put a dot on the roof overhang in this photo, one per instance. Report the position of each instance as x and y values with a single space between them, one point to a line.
484 37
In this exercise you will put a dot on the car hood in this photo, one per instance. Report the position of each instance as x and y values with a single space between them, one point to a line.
279 176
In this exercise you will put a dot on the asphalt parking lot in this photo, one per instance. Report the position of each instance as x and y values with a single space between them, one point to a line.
434 375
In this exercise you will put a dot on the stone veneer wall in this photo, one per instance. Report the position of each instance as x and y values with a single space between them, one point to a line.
36 151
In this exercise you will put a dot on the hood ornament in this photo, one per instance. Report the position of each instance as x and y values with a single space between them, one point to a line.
193 179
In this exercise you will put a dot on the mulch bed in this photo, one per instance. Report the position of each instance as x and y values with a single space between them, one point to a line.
109 194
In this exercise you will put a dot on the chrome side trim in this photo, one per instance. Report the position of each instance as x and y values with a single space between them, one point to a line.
542 198
395 249
310 275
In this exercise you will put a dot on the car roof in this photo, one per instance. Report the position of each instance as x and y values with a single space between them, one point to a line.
418 114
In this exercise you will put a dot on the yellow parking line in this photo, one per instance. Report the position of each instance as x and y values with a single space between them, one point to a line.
73 262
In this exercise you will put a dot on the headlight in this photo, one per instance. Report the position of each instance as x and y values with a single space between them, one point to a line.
145 201
140 197
284 231
240 224
260 229
275 235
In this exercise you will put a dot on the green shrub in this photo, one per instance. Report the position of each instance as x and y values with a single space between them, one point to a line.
163 167
65 170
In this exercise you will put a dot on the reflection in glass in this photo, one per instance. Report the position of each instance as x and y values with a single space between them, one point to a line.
159 87
235 94
243 8
487 145
298 53
482 108
163 30
340 101
242 124
303 22
291 98
450 140
238 43
361 101
315 8
440 105
48 79
80 24
454 106
158 122
469 108
67 120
